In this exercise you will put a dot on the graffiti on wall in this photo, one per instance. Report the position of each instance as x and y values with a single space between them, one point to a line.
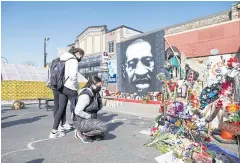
138 63
216 63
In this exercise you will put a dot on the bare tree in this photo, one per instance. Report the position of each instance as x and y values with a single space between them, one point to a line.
30 63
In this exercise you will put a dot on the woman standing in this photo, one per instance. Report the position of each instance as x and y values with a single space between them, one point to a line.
64 126
69 90
88 127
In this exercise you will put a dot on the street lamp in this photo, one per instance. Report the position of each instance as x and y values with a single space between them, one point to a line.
45 53
6 61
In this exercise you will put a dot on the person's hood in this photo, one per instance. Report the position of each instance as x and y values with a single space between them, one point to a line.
66 56
89 89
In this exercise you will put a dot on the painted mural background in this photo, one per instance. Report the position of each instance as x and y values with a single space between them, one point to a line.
139 60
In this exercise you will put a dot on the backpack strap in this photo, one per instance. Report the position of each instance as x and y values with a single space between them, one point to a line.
69 59
66 61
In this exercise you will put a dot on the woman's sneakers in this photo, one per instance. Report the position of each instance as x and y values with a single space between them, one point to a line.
56 135
85 139
65 127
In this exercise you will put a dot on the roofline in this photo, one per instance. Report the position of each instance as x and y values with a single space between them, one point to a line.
197 19
176 25
104 26
204 27
124 26
71 44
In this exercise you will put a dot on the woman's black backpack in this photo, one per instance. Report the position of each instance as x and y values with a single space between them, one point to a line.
57 74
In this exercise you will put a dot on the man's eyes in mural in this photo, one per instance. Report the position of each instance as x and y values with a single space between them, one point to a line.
133 63
145 61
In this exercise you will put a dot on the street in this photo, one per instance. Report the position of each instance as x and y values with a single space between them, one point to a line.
25 139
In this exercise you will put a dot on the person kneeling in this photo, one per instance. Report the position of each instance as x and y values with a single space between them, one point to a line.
87 126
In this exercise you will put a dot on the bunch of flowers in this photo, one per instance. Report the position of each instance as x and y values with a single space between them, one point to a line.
232 62
234 118
171 85
175 108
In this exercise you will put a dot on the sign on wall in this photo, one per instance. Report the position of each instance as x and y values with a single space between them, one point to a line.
105 60
139 61
112 70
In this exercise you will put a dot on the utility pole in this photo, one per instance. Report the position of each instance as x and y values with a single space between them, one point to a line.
45 51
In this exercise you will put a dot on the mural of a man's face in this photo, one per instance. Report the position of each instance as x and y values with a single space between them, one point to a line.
139 64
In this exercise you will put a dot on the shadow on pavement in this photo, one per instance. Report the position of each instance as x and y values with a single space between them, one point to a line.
106 118
40 160
21 121
3 118
109 136
5 108
113 126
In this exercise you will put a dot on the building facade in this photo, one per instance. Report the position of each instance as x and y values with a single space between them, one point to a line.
204 40
100 43
196 42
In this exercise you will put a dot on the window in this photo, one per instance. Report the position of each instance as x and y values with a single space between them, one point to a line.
111 46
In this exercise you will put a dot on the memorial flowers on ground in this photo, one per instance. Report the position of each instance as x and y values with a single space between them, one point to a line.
182 125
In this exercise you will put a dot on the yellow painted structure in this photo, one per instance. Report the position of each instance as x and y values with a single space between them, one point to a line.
26 90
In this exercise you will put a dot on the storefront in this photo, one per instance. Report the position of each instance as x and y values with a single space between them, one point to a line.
90 66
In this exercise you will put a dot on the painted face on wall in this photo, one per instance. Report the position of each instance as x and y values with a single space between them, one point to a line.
139 64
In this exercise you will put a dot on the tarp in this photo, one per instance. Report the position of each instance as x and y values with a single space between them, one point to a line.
28 73
23 72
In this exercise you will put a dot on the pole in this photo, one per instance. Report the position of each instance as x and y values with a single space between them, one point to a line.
6 61
45 53
172 50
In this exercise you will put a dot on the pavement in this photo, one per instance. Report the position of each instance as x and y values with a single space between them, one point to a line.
25 139
143 110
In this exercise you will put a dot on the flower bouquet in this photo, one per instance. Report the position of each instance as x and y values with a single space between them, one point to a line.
162 77
161 142
232 108
234 118
145 99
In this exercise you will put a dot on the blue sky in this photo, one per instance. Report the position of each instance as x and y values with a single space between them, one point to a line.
25 24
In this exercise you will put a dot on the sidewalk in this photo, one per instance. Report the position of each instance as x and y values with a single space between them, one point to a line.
142 110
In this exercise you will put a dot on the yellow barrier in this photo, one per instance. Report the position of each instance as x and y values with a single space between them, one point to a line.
26 90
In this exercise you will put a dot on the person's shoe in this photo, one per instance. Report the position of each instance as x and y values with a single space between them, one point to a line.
61 128
65 127
82 137
56 135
